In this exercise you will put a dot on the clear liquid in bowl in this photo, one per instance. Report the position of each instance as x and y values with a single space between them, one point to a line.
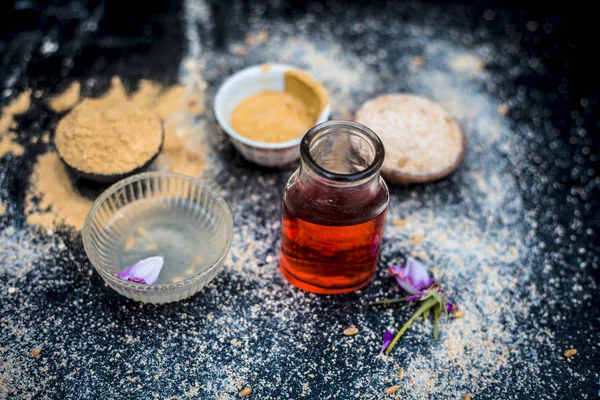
178 230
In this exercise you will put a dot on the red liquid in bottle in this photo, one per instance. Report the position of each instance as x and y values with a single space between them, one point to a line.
331 238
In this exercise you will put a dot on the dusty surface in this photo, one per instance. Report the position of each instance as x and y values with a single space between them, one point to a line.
511 235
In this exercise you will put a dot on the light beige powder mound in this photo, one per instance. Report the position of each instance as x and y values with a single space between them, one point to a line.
422 142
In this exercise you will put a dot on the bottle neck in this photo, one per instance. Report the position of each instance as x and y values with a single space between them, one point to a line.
307 175
341 154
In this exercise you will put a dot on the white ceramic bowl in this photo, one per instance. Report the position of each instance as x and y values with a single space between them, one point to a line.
245 83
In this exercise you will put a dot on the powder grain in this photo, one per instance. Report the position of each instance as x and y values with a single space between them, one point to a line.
112 140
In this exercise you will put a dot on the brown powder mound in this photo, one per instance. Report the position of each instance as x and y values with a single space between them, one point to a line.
108 140
277 117
2 209
59 202
272 117
183 151
67 99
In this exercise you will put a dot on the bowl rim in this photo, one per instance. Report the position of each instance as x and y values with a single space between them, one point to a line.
245 74
161 287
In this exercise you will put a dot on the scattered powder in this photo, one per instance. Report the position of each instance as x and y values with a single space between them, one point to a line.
58 200
8 144
477 235
185 148
8 140
463 236
67 99
22 251
17 106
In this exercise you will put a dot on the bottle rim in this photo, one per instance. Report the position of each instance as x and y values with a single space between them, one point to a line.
354 128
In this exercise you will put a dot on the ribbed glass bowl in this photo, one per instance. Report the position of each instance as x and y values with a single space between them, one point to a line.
106 226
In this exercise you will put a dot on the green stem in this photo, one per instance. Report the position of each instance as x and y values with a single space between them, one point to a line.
427 304
388 301
436 316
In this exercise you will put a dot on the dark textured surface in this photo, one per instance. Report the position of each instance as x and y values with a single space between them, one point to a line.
80 321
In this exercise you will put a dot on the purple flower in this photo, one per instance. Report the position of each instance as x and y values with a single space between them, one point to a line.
387 339
145 271
414 278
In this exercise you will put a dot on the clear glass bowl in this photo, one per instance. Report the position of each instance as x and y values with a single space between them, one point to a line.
159 198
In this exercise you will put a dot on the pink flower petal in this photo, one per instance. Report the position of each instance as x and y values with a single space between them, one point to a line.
400 274
418 274
145 271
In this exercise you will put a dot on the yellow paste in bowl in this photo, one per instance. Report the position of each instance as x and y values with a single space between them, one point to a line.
276 117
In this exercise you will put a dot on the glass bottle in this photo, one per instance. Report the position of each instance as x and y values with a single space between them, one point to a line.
334 209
